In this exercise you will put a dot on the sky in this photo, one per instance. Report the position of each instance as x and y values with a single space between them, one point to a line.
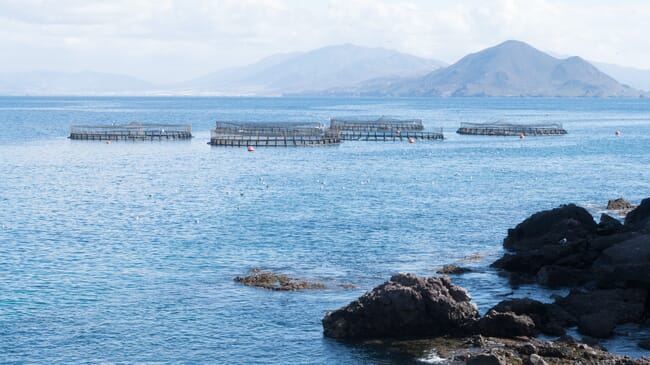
167 41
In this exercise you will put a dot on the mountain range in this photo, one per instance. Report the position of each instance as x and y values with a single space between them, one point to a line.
512 68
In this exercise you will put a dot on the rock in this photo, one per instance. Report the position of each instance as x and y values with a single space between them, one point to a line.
535 359
453 269
485 359
549 318
645 344
566 224
619 204
506 325
597 325
270 280
404 306
556 276
640 217
623 305
626 264
609 225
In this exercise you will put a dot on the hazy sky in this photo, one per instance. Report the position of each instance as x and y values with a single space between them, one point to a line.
172 40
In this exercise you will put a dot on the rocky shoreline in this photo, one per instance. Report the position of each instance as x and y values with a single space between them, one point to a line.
606 265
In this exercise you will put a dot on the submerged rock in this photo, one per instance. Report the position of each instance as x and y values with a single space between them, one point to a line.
404 306
273 281
453 269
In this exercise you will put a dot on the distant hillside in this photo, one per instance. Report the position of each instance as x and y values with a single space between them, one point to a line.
320 69
634 77
62 83
512 68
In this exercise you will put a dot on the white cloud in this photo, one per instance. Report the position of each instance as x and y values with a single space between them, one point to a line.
171 40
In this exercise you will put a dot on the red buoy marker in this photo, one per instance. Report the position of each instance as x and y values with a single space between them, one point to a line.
108 142
411 140
251 149
618 133
522 136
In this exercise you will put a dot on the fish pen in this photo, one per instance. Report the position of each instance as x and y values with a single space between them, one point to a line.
511 129
382 129
287 134
133 131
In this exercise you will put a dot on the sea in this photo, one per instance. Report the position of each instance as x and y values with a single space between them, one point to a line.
126 252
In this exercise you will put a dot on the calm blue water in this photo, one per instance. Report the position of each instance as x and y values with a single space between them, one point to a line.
127 252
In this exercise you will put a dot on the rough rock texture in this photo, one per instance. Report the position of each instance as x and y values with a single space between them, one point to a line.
404 306
273 281
609 225
453 269
549 318
626 264
623 305
639 218
566 224
506 325
619 204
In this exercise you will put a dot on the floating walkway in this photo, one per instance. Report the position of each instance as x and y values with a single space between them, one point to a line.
133 131
382 129
511 129
272 135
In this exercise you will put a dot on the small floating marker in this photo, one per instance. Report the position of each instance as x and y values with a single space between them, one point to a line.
618 133
522 136
398 132
411 140
251 149
108 142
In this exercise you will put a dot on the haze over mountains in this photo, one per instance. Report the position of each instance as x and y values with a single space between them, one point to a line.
512 68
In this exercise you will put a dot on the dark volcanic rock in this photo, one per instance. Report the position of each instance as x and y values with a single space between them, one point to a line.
626 264
549 318
609 225
639 218
623 305
486 359
597 325
566 224
619 204
506 325
556 276
405 306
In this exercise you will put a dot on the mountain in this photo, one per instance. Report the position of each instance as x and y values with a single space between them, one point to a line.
62 83
637 78
328 67
512 68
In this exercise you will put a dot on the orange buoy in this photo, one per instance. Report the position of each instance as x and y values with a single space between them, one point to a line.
108 142
522 136
251 149
618 133
411 140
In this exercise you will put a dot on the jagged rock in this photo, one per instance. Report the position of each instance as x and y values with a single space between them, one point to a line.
597 325
566 224
623 305
549 318
639 218
556 276
273 281
619 204
485 359
506 325
404 306
535 359
626 264
453 269
609 225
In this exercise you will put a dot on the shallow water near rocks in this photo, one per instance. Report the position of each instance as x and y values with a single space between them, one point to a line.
127 252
